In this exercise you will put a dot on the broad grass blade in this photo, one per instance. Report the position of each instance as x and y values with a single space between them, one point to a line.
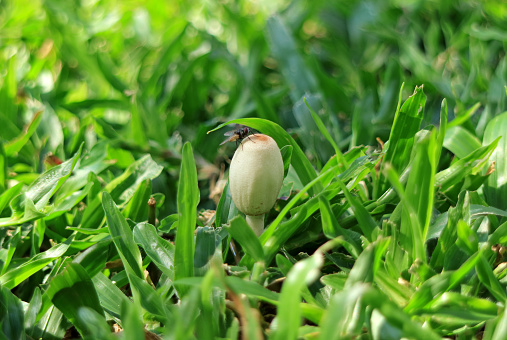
123 237
407 123
461 142
188 198
15 276
12 318
496 188
289 312
71 290
110 296
241 232
160 251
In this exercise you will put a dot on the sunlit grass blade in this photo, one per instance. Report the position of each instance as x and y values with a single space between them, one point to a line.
289 314
496 188
15 145
364 219
488 279
367 263
37 195
396 317
407 122
420 191
133 327
461 142
123 237
160 251
470 164
459 120
188 198
439 284
341 321
15 276
110 296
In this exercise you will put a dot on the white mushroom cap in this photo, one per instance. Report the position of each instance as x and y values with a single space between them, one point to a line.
256 174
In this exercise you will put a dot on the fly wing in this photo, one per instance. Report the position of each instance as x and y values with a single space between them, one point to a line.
225 141
230 133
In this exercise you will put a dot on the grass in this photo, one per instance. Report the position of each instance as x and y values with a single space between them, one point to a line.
115 213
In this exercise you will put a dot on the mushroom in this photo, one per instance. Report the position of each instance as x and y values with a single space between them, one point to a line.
255 178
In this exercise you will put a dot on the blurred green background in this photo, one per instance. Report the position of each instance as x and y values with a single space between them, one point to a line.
136 77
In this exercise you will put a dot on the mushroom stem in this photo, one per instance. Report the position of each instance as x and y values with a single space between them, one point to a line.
256 223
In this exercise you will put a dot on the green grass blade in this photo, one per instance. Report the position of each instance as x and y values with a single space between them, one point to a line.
33 309
367 263
188 198
364 219
150 299
341 318
501 327
9 194
406 124
459 120
460 141
241 232
71 290
95 324
496 188
12 319
439 284
419 194
41 190
289 312
207 250
471 164
323 130
123 237
133 327
488 279
94 259
14 146
396 317
137 208
283 47
110 296
160 251
442 130
15 276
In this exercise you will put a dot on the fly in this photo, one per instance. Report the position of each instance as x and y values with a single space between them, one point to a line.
237 135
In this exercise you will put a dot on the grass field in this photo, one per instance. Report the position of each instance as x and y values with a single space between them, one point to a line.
116 218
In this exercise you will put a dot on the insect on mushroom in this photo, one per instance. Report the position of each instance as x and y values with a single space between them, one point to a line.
237 135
